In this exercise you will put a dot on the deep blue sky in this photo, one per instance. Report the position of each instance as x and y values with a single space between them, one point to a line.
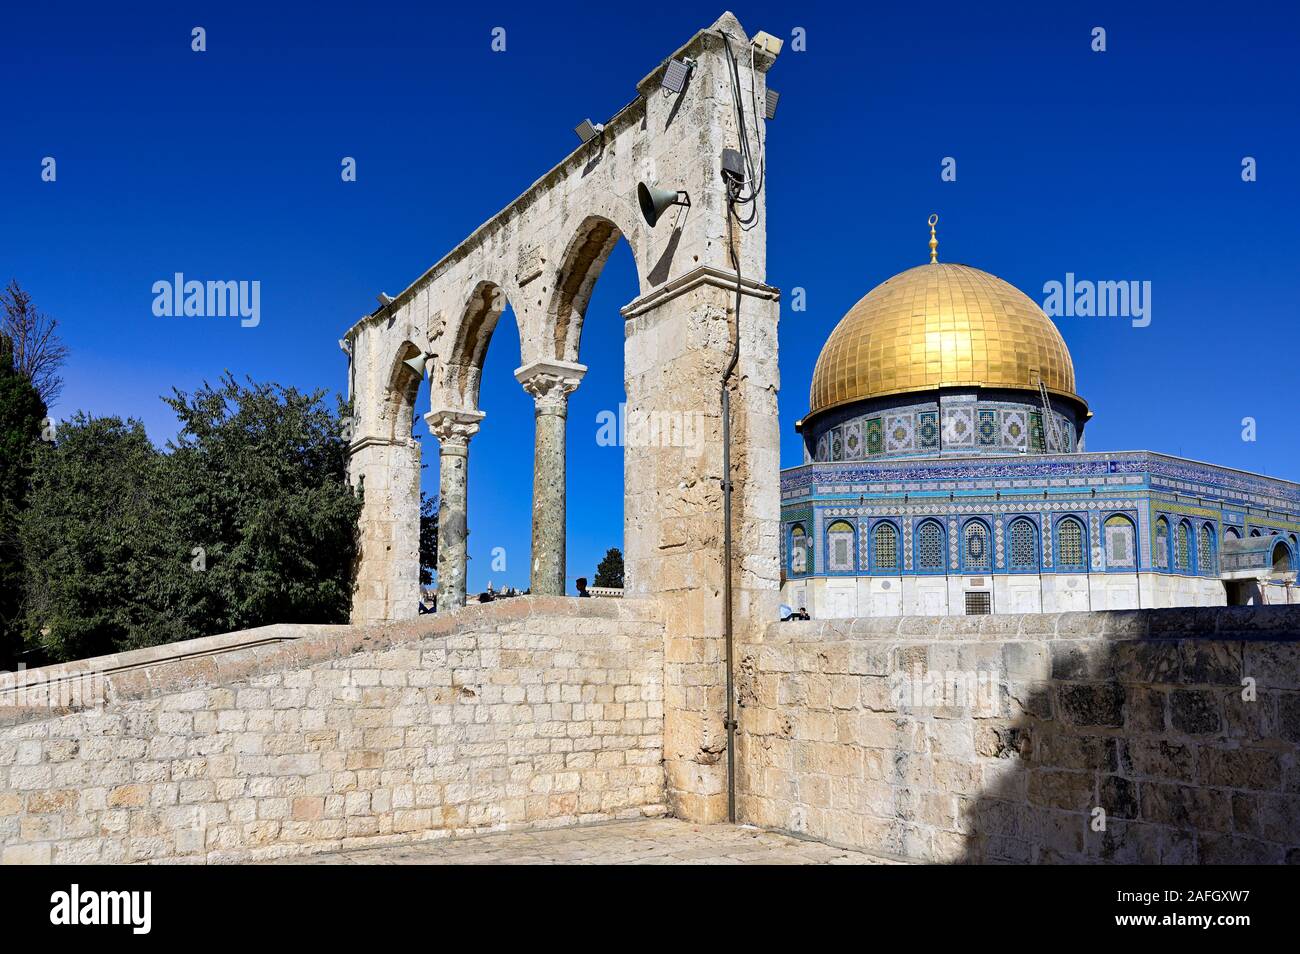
1119 165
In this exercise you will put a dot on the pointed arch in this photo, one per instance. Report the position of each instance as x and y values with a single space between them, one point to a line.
885 551
397 414
841 547
1160 546
1023 550
1183 546
1119 536
1206 551
580 265
1071 544
1281 557
976 550
930 550
473 333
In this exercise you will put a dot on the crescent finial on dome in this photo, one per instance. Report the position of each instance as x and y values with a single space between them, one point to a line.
934 242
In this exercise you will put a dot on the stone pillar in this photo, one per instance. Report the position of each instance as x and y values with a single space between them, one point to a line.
678 343
386 580
453 428
550 383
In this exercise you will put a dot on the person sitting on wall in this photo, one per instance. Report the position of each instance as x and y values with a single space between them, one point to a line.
802 614
581 583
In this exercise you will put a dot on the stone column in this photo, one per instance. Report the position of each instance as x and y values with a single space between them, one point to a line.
453 428
550 383
678 343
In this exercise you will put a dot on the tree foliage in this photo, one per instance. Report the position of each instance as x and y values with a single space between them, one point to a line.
21 415
260 487
428 538
102 571
246 520
610 570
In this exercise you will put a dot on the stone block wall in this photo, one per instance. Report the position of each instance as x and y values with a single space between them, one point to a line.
1147 736
526 712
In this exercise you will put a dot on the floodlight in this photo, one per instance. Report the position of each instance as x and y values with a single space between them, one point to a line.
772 97
676 75
587 130
385 299
768 43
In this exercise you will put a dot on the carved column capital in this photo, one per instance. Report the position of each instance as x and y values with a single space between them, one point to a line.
453 428
551 382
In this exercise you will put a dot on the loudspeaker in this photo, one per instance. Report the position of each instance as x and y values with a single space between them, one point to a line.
655 201
417 364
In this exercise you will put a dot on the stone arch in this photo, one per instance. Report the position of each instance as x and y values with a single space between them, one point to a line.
397 414
575 277
679 328
463 368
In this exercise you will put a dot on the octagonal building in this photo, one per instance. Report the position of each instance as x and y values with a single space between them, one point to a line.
945 473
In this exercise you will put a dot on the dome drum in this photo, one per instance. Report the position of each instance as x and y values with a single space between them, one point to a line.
947 422
942 359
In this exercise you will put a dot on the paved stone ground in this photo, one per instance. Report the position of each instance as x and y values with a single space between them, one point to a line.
659 841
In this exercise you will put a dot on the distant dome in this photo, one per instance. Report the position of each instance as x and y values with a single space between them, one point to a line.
936 326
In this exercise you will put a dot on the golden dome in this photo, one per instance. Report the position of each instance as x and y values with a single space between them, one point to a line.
939 326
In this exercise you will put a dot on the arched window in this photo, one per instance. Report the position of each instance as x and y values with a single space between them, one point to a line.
1120 537
886 544
839 545
1161 554
1183 547
1255 532
1232 533
1024 544
929 546
975 536
1070 553
1205 551
798 549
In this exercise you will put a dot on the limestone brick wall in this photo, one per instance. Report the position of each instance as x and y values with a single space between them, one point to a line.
1150 736
532 711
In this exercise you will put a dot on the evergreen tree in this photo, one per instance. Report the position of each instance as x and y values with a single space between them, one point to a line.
262 495
610 571
21 415
101 568
249 520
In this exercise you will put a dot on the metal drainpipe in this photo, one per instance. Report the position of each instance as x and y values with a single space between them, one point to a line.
728 635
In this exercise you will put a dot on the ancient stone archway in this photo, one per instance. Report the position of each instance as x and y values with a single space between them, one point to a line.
542 254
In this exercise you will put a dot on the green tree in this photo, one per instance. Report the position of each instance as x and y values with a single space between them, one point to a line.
247 520
100 565
21 414
428 538
263 504
610 571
